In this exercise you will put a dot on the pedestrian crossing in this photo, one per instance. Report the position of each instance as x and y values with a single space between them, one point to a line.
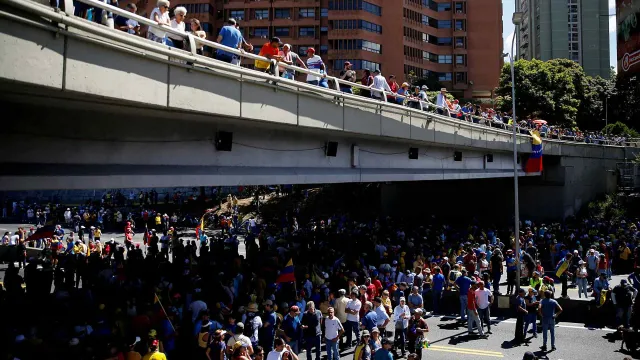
465 351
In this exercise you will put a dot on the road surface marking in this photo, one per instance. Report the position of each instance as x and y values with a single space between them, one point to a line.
465 351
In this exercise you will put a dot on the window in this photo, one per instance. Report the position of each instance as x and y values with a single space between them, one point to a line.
355 5
460 25
302 50
324 29
237 14
196 8
324 12
365 25
444 41
356 44
261 32
374 9
445 59
459 7
256 49
460 42
444 7
444 24
425 20
460 59
447 76
282 13
281 31
307 13
307 32
261 14
356 24
356 64
461 77
207 27
324 49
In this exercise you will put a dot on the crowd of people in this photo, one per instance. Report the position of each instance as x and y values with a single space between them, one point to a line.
353 283
372 83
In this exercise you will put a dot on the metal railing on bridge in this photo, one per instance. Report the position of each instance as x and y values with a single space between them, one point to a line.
67 17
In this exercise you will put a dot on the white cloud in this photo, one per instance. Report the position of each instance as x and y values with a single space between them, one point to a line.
507 44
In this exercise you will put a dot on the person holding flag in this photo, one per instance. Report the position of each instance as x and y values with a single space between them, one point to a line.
563 273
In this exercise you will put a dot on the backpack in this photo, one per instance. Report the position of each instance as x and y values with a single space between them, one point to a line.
249 327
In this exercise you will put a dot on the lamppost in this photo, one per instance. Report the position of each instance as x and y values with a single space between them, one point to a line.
517 20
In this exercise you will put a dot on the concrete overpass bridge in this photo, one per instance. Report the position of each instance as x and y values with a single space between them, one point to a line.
91 107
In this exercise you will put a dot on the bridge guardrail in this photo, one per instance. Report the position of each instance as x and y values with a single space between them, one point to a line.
68 18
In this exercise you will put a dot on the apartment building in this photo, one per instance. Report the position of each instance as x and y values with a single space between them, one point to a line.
457 41
569 29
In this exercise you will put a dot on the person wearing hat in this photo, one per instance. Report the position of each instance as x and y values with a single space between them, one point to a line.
581 279
363 349
347 75
403 90
154 353
511 263
416 330
253 323
239 338
292 328
217 346
271 51
535 281
401 316
441 102
269 327
316 65
622 297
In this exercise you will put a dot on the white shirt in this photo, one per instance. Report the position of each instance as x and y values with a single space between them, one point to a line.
398 311
441 100
314 64
180 27
482 298
162 16
275 355
239 338
354 304
380 83
13 240
332 328
382 316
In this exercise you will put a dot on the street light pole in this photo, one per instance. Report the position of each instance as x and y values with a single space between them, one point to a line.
517 20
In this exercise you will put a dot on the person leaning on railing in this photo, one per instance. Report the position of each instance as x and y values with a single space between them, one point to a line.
271 51
128 25
177 23
160 14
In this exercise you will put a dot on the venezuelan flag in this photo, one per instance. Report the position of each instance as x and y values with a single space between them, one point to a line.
286 274
534 163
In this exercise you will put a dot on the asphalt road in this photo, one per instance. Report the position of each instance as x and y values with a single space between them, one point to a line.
449 339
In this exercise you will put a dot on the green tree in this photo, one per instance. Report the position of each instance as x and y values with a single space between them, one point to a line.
544 89
594 97
624 104
619 128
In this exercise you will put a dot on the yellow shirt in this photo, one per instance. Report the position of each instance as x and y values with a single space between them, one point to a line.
97 233
624 255
156 355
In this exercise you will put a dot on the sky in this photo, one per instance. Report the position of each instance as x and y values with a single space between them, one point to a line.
508 29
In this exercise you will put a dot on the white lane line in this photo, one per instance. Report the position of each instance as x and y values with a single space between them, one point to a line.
562 326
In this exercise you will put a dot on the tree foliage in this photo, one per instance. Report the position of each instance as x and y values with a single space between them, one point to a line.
619 128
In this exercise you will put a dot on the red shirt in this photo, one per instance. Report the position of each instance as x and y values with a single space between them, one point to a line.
471 299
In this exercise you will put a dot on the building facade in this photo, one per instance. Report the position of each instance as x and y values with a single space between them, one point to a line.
569 29
457 41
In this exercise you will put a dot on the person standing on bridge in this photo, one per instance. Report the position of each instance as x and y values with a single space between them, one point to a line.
160 15
231 37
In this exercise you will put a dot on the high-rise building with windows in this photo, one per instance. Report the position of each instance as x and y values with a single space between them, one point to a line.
457 41
570 29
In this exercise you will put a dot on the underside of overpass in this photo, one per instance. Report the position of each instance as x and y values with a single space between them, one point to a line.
65 141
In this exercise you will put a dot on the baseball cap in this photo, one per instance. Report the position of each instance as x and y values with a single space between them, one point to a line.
346 63
294 308
154 343
268 302
311 50
276 39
